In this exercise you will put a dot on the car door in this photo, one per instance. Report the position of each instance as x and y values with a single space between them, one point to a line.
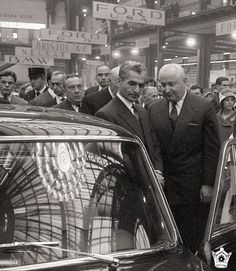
220 236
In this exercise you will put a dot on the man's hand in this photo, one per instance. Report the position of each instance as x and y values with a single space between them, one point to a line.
206 193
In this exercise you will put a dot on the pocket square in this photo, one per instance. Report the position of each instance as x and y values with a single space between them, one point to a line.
193 124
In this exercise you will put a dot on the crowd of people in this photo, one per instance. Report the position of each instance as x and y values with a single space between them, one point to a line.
182 127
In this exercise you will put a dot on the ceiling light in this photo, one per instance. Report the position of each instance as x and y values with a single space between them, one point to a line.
84 10
97 57
134 51
163 46
83 59
193 13
116 54
233 35
191 41
185 57
226 53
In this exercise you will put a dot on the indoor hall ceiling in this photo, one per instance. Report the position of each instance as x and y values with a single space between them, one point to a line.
177 30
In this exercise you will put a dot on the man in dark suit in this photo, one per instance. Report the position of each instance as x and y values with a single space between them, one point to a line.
186 128
7 84
93 102
123 110
74 91
102 78
38 82
53 95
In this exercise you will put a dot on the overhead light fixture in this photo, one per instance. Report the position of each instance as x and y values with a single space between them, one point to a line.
226 53
84 59
164 47
185 57
193 13
116 54
233 35
191 41
134 51
97 57
84 10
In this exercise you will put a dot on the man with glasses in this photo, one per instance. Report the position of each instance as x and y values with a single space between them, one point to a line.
38 82
102 78
74 92
7 84
53 95
123 109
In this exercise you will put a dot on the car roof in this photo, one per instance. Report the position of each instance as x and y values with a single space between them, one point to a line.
18 120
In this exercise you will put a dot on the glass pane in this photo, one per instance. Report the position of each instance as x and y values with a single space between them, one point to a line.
226 202
89 197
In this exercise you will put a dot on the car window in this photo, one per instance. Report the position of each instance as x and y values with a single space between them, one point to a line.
226 202
88 196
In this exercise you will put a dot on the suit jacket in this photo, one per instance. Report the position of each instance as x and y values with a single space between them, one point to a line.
91 90
17 100
93 102
190 152
44 99
117 112
30 95
65 105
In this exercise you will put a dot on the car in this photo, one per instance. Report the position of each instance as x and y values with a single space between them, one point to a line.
79 193
219 245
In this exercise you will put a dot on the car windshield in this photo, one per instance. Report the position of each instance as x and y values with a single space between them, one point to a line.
94 197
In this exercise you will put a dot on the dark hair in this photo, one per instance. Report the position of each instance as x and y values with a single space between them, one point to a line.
220 79
131 66
196 87
9 73
151 80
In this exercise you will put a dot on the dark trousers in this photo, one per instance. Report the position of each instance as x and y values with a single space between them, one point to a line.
191 221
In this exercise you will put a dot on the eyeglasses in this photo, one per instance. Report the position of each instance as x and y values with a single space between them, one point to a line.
58 84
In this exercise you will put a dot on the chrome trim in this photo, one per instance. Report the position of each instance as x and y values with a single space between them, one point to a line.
88 260
209 228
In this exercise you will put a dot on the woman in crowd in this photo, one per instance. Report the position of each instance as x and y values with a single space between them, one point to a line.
227 114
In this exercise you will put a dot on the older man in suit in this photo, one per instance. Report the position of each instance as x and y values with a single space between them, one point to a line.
74 91
7 84
186 128
102 78
123 110
53 95
93 102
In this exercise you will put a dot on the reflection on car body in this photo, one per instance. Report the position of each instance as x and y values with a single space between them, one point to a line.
219 241
89 186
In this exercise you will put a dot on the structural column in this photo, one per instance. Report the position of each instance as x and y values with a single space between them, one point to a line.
206 43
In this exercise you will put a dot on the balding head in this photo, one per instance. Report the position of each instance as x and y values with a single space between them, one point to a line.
173 81
114 79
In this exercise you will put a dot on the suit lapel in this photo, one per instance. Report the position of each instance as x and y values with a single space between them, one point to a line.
125 114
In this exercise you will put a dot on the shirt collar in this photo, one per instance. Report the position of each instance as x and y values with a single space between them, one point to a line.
127 103
52 93
76 108
42 89
179 104
9 97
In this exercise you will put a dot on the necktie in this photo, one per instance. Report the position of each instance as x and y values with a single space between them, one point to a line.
38 93
173 115
62 99
135 112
